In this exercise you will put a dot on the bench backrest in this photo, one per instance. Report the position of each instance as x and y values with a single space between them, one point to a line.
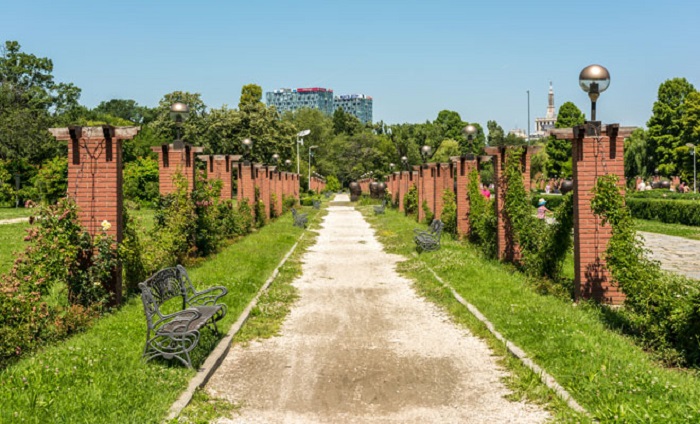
436 227
164 285
294 212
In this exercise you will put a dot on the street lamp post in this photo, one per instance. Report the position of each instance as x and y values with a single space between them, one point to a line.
425 152
247 149
310 149
179 112
470 131
695 166
404 162
594 79
300 140
288 164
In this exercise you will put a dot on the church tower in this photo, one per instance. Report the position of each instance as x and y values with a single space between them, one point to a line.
543 125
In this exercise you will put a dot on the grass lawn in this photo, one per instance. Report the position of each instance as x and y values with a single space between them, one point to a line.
611 377
11 242
9 213
99 377
677 230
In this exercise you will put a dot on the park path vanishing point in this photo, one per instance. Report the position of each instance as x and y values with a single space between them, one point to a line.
361 346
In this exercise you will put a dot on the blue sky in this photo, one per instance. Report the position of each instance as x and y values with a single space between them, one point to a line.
414 58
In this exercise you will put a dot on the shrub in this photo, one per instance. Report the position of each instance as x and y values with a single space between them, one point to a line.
449 212
51 181
553 200
288 202
141 180
274 213
482 217
245 216
6 191
662 194
259 206
427 213
332 184
306 201
208 234
410 201
686 212
663 309
131 256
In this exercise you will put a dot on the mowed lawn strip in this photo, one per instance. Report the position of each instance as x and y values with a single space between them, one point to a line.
10 213
678 230
606 373
11 243
98 376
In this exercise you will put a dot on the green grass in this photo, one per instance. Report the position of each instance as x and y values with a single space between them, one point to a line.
9 213
677 230
143 217
99 377
11 243
615 380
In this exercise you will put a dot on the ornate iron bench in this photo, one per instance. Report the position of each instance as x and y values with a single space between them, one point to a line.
317 204
300 219
173 326
430 239
328 194
378 210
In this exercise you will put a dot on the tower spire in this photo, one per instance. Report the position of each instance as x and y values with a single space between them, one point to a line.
550 105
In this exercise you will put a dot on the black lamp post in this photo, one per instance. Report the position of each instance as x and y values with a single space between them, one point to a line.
425 152
470 131
288 164
404 162
275 158
179 112
247 150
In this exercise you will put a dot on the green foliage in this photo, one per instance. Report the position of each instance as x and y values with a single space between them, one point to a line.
259 208
662 194
208 235
482 217
496 135
6 190
686 212
288 202
410 201
542 247
553 200
569 116
559 158
127 110
449 212
131 255
345 123
662 309
666 127
141 180
57 285
427 213
637 155
251 95
51 181
447 149
332 184
245 215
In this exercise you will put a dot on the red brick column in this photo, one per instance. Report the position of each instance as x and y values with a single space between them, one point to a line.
427 186
464 167
593 157
95 182
172 160
221 167
265 191
246 184
404 177
443 180
500 186
279 191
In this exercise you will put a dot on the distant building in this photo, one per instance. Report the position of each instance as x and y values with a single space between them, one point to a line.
358 105
518 132
543 125
289 100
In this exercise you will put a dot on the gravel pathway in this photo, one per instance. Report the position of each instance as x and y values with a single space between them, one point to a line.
13 221
676 254
361 346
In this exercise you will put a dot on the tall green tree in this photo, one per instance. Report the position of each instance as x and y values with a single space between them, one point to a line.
637 155
496 136
666 128
126 109
559 151
164 127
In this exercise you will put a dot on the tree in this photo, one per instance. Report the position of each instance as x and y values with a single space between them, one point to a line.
559 151
125 109
691 133
251 95
447 149
449 125
637 155
569 116
164 127
665 135
345 123
496 136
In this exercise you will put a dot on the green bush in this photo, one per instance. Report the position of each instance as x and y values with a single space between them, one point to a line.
51 181
553 200
307 201
482 217
427 213
57 286
410 201
686 212
141 180
288 202
332 184
449 212
6 191
661 309
662 194
208 235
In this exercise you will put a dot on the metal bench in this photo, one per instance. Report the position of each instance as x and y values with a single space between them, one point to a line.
430 239
300 219
175 334
317 204
328 194
378 210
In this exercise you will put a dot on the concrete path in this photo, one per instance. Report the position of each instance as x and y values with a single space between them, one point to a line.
361 346
676 254
13 221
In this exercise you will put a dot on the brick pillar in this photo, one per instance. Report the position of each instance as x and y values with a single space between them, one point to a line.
499 183
428 187
279 191
172 160
246 184
265 191
403 187
221 167
464 166
95 183
421 191
593 158
443 181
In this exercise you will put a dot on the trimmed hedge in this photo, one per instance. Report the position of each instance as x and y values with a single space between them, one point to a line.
663 194
686 212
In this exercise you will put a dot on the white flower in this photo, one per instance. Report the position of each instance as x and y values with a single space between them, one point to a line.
106 225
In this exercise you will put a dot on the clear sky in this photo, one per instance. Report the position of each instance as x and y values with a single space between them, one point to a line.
414 58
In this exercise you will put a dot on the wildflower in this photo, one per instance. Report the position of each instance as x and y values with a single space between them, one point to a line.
106 225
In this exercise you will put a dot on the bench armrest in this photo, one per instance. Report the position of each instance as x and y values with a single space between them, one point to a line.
209 296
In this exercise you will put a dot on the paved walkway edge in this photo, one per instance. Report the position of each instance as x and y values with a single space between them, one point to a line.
514 350
219 353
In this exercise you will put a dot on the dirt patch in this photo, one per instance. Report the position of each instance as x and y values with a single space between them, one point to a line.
361 346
